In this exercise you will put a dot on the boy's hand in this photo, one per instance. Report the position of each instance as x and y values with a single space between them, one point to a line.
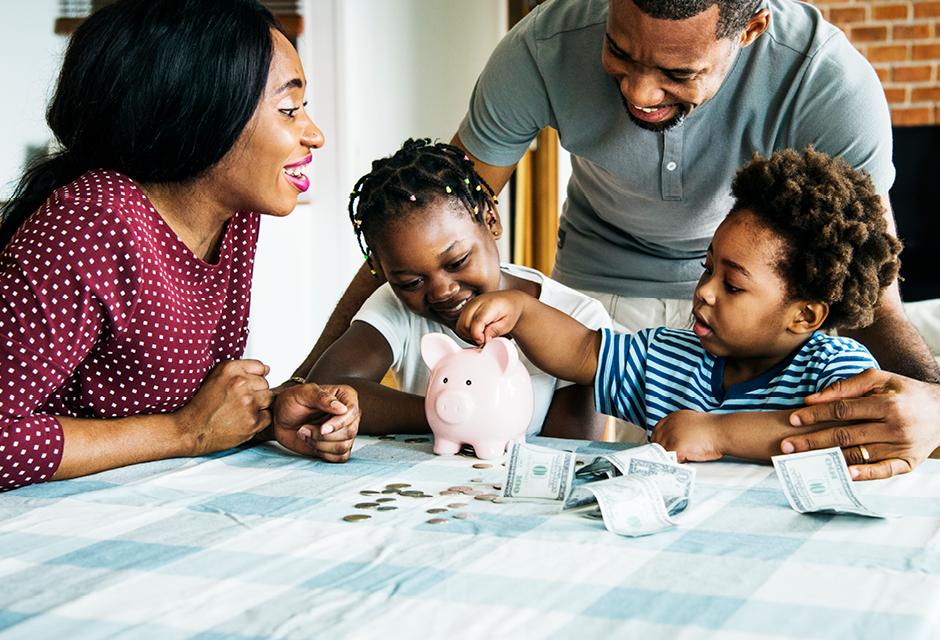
691 434
491 315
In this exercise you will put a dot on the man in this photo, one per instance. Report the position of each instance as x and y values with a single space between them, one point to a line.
659 103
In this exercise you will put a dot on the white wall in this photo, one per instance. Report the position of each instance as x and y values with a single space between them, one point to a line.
30 56
379 71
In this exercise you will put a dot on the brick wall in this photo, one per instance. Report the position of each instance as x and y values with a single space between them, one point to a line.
902 41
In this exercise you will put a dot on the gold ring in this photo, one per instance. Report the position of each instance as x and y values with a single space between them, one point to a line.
864 452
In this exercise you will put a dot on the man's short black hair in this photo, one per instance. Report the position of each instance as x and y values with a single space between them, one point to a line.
732 14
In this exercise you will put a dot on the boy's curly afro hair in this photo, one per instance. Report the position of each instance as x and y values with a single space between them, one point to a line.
837 248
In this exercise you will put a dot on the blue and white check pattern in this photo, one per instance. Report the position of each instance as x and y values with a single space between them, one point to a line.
251 544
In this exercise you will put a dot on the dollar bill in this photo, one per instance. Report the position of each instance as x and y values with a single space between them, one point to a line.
630 506
535 473
609 465
819 481
675 482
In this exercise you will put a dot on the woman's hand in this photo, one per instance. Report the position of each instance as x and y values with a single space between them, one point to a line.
315 420
491 315
691 434
895 419
231 406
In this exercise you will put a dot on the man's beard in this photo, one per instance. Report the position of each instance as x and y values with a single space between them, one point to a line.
682 110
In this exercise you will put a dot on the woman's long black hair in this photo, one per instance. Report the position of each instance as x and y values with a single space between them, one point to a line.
158 90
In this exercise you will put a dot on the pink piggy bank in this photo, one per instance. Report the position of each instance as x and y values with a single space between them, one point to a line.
481 397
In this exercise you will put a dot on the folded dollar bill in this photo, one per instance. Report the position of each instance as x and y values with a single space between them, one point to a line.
538 474
629 505
615 463
819 481
674 481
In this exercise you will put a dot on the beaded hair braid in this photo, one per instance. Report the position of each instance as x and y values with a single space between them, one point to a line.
411 179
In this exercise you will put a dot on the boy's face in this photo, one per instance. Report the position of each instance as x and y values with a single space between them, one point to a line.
439 258
740 304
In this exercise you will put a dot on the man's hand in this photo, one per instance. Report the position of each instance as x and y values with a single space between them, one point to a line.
317 420
691 434
894 418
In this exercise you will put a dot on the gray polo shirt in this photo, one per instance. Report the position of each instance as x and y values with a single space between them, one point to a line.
642 206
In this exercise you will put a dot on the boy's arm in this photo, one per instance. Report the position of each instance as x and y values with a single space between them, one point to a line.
753 435
554 341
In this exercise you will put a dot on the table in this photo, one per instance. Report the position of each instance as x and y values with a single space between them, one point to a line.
251 544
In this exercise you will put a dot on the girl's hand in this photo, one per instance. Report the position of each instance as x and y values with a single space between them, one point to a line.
491 315
693 435
319 421
231 406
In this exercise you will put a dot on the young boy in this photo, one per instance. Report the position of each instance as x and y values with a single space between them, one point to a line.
805 247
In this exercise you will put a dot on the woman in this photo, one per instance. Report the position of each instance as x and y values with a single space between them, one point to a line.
126 266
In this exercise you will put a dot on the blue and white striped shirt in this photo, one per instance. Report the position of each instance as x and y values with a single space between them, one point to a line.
645 376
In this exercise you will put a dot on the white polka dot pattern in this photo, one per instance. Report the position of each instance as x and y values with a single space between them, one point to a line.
104 313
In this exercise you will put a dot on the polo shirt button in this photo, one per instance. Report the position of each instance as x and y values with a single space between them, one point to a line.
670 166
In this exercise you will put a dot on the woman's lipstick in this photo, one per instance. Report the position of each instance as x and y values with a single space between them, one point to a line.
295 176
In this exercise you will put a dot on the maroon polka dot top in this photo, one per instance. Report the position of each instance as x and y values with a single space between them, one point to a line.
104 313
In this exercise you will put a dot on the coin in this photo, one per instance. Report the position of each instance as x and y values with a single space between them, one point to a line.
366 505
464 515
385 499
369 492
476 479
457 505
412 493
437 510
437 521
386 507
498 487
579 463
356 517
485 497
397 485
482 465
389 490
448 492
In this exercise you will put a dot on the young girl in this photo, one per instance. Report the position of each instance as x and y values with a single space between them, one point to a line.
428 223
805 247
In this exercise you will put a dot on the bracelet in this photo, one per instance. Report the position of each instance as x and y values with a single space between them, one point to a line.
297 379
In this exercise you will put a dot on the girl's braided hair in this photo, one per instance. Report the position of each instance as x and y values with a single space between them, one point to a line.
409 180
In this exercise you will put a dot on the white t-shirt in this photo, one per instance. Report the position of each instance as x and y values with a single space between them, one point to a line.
403 331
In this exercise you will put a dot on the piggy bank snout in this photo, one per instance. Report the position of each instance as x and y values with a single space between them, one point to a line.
454 407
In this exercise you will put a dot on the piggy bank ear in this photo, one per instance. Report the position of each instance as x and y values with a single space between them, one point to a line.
503 351
435 346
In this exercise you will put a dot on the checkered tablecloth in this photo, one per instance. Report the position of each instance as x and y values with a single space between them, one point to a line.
252 544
